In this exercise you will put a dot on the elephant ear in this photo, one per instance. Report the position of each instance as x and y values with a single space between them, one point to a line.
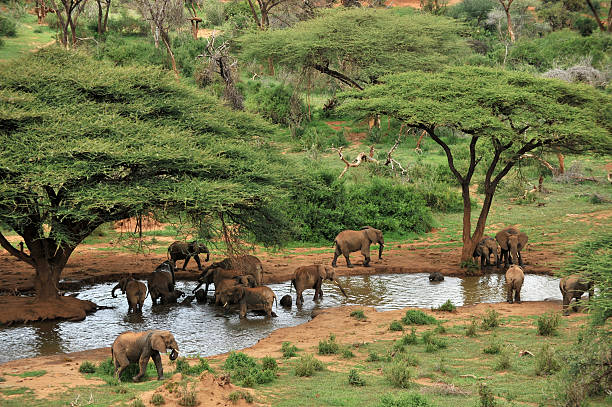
502 239
371 234
321 271
158 343
522 240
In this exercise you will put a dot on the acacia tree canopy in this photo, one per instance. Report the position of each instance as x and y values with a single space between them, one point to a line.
84 143
505 114
358 45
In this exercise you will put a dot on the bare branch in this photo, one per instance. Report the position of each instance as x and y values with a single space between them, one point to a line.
13 251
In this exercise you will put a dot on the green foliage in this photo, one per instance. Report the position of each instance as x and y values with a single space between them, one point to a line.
503 362
347 353
487 399
448 306
214 12
186 49
492 348
418 317
126 24
278 103
432 342
546 361
398 374
158 400
396 326
472 11
8 26
358 314
87 367
548 324
490 320
137 403
373 357
244 369
288 350
240 394
269 363
106 367
354 379
411 338
470 330
187 397
440 329
362 43
329 347
404 400
307 365
183 366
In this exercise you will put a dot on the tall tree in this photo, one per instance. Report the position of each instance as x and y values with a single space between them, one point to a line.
504 114
356 46
86 143
103 10
68 16
603 27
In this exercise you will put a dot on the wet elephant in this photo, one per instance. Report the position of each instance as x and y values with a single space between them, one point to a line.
250 299
229 283
135 291
161 287
242 265
486 247
514 282
572 287
306 277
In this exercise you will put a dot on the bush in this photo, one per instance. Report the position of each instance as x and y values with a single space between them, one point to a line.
124 51
214 12
470 330
503 361
408 359
239 394
441 197
448 306
307 365
8 26
548 324
546 362
404 400
137 403
245 369
358 314
396 326
187 396
182 366
288 350
278 103
373 357
87 367
329 347
398 374
411 338
158 400
347 353
492 349
486 396
269 363
490 320
126 24
354 379
418 317
440 329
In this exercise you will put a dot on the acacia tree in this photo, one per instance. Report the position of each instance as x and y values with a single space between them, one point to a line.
356 46
68 16
504 114
85 143
603 27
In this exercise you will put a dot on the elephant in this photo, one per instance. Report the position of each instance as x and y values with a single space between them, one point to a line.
138 347
486 247
511 242
246 264
349 241
168 266
255 299
135 291
161 286
182 250
436 276
514 283
573 286
200 296
306 277
229 283
286 301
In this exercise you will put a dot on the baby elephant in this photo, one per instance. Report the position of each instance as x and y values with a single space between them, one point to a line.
573 287
255 299
286 301
514 282
138 347
436 276
135 291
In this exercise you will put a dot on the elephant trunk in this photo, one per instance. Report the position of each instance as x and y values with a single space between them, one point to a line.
381 246
173 354
197 286
340 287
207 256
115 288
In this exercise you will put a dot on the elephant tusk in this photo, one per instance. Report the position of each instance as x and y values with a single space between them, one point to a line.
225 305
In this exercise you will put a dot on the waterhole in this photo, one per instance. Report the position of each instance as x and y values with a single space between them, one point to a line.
205 329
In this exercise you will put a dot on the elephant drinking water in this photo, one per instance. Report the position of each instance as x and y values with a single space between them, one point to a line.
312 276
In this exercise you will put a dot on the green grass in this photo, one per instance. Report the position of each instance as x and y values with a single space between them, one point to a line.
33 373
26 39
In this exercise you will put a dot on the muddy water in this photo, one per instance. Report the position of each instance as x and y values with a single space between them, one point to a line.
206 330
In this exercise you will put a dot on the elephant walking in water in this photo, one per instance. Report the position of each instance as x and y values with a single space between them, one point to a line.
135 291
349 241
307 277
239 265
514 283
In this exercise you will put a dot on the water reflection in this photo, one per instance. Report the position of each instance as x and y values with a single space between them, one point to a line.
206 330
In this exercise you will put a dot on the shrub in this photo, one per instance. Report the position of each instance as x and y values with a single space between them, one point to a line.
358 314
440 329
239 394
347 353
448 306
269 363
398 347
106 367
433 342
408 359
373 357
277 103
396 326
245 369
8 26
490 320
354 379
503 361
288 350
137 403
546 362
87 367
411 338
548 324
329 347
441 197
418 317
398 374
307 365
493 348
187 396
486 396
126 24
214 12
470 330
183 366
404 400
158 400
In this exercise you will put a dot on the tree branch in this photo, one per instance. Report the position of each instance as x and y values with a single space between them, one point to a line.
335 74
357 161
449 155
12 250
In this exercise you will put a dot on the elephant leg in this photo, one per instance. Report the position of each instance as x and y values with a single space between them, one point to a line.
186 261
509 294
121 363
158 365
366 262
336 254
517 295
298 298
144 360
197 260
567 298
482 262
365 251
243 310
348 261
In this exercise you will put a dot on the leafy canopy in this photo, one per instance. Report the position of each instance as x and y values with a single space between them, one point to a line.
362 43
84 142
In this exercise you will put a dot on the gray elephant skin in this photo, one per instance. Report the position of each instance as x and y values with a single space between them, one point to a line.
286 301
514 282
244 265
138 347
161 287
229 283
135 291
511 241
436 276
349 241
486 247
186 250
250 299
307 277
572 287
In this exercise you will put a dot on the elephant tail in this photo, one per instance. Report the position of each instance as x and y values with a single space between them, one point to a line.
275 301
291 284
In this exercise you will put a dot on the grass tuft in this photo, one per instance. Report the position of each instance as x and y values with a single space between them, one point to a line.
546 362
358 314
548 324
158 400
288 350
411 338
404 400
182 366
398 374
448 306
470 330
490 320
329 347
354 379
396 326
307 365
87 367
418 317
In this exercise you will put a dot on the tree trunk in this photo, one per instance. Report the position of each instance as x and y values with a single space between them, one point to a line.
108 3
99 17
468 242
596 15
166 40
506 8
561 163
254 13
72 31
46 280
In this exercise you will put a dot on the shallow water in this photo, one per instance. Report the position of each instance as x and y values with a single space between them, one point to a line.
205 330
